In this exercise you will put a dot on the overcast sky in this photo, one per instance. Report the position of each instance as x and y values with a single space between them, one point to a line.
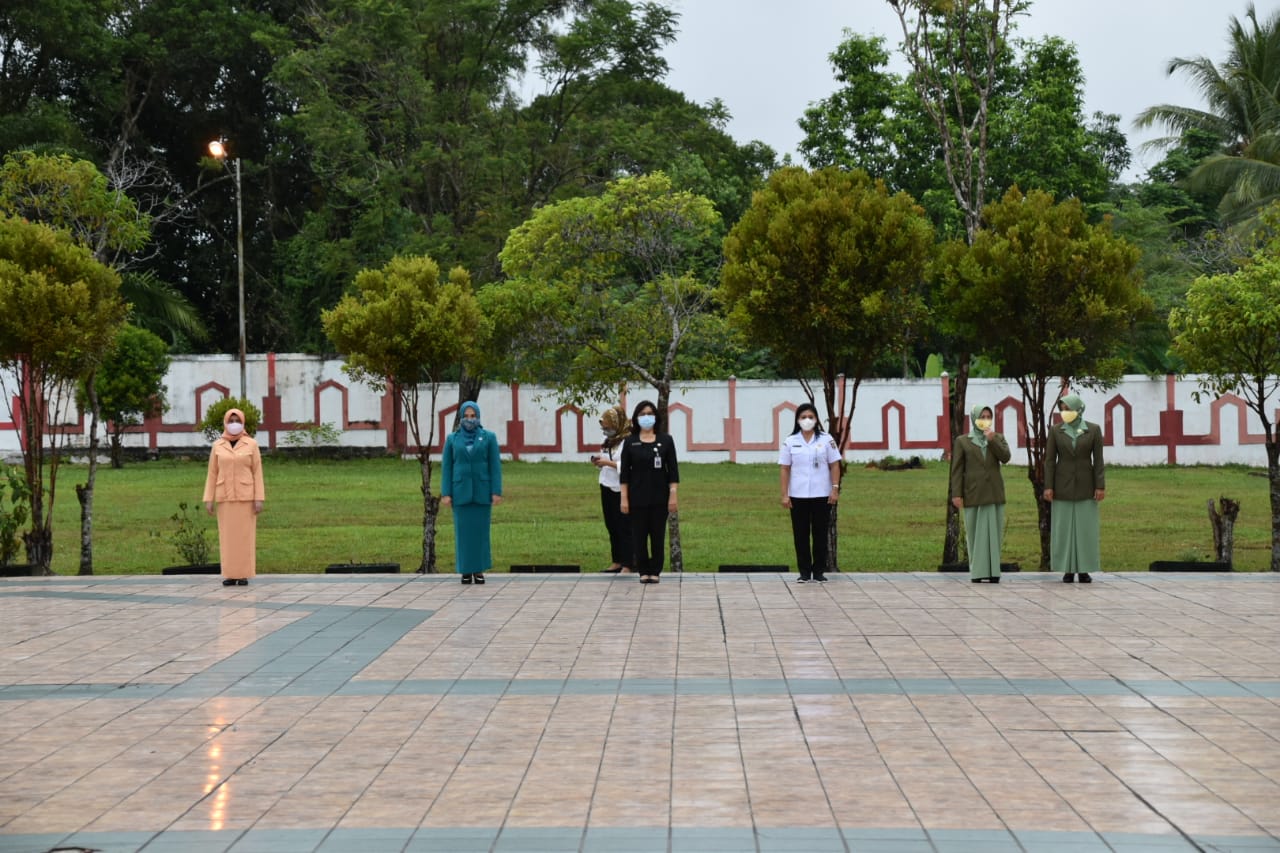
767 59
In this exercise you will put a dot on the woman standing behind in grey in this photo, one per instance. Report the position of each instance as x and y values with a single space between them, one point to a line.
1074 484
616 428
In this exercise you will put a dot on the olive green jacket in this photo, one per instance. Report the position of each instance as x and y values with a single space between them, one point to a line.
976 478
1074 472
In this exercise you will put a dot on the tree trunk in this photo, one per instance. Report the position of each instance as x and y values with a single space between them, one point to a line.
956 412
1044 519
676 552
84 493
468 389
833 539
39 544
430 512
677 549
1273 475
117 449
1223 521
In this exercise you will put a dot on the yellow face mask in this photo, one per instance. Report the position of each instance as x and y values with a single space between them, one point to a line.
983 424
1069 416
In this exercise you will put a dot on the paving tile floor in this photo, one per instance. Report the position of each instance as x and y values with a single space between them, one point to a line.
707 714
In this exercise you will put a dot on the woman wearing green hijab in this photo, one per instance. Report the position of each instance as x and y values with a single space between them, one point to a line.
977 488
1074 481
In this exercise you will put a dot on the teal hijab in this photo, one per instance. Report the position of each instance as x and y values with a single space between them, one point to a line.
976 435
469 436
1073 430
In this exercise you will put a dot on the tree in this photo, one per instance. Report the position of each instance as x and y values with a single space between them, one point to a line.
825 269
1241 113
1048 295
1038 136
130 383
605 290
73 196
1229 331
405 329
59 311
953 51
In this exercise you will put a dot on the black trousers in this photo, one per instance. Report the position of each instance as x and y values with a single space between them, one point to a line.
620 550
649 536
809 520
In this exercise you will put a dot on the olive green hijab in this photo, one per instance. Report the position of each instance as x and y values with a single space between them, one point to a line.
1075 404
976 435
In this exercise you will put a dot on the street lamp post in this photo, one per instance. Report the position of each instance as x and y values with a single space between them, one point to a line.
218 150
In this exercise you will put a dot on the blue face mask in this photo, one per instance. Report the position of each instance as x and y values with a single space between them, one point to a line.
470 424
646 421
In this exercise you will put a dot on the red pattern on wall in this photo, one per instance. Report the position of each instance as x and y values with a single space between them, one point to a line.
892 434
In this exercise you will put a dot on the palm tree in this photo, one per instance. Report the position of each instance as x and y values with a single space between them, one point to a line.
1242 112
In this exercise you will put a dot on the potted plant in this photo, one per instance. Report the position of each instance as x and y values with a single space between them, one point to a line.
190 540
13 517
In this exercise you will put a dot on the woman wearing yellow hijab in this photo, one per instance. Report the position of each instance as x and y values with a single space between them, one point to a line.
1074 483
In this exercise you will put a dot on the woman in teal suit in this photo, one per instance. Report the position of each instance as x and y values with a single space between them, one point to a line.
472 485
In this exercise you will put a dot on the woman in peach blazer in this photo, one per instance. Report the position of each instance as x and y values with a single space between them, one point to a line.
235 485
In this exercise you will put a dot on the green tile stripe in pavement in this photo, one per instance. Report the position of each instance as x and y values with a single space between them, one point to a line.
299 659
629 840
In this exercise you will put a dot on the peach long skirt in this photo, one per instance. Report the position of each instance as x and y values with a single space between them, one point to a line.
237 539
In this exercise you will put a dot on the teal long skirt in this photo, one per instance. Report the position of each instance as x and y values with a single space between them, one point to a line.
471 538
983 527
1075 541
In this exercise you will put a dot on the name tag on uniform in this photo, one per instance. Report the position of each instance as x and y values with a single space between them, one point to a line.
657 461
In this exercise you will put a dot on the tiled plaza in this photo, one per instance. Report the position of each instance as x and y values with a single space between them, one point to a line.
716 713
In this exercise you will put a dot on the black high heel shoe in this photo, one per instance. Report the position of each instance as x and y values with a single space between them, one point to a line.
466 579
228 581
480 578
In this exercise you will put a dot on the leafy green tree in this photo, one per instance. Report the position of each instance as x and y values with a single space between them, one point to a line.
59 312
1241 113
407 330
130 384
1229 331
72 195
825 269
1049 296
610 289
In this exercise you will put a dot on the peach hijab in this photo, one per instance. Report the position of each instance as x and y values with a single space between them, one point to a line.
226 419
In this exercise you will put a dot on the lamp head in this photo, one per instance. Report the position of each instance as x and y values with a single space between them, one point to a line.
217 149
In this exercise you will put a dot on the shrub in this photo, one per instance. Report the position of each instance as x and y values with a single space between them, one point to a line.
14 516
211 424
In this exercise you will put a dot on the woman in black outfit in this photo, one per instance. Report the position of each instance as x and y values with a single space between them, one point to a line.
649 477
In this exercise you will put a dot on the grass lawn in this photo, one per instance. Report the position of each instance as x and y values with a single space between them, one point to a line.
371 511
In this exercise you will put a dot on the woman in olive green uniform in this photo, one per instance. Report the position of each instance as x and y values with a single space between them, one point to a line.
1074 483
977 488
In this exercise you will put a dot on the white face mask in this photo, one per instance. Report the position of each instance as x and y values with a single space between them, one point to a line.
983 424
235 428
807 424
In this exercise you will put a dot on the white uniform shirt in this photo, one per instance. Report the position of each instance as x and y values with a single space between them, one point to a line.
609 473
810 463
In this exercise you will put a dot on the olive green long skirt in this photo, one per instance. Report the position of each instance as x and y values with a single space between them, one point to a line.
983 528
1074 537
